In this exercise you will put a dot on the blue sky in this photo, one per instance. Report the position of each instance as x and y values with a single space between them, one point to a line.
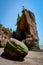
9 10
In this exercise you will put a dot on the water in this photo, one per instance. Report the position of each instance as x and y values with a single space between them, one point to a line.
41 47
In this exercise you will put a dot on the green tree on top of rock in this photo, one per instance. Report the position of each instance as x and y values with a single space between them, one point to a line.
10 29
1 25
18 20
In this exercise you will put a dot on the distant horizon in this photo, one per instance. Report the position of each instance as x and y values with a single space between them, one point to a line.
9 10
40 45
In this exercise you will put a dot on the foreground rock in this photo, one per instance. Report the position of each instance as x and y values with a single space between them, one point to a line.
15 49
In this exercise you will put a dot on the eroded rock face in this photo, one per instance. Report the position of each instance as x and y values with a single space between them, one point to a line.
15 49
26 30
4 36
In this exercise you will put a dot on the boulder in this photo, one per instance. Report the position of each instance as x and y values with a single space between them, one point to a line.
15 49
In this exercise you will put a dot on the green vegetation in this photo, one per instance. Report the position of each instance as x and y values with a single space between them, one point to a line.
1 25
18 20
10 29
6 28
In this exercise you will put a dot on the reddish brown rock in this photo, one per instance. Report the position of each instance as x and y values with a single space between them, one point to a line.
5 34
27 30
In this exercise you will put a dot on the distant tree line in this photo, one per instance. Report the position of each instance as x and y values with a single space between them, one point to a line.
1 26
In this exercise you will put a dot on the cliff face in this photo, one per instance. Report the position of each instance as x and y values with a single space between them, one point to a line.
5 34
26 30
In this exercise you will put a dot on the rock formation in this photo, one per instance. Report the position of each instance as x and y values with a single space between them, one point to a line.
5 34
15 49
26 29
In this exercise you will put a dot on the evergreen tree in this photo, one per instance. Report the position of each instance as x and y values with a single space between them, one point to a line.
18 20
1 25
10 29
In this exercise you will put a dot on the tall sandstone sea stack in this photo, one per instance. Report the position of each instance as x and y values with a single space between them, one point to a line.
26 29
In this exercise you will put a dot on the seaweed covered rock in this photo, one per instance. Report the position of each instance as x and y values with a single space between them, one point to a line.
15 49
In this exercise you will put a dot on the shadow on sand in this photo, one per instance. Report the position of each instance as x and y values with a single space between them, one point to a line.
3 55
